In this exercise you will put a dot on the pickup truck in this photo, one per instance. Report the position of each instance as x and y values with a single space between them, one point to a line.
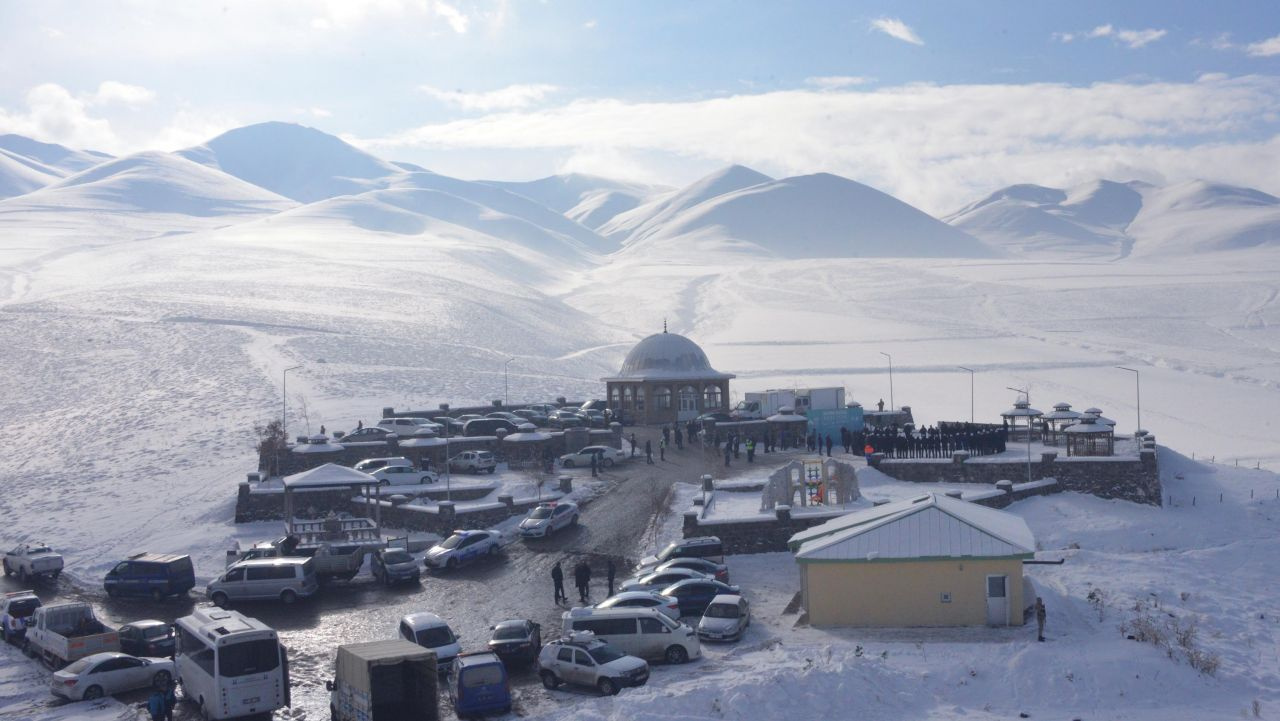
331 560
30 560
66 632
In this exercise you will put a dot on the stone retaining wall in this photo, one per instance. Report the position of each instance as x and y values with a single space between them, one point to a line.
1133 479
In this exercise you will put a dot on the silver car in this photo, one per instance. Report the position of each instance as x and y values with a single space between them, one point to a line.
726 619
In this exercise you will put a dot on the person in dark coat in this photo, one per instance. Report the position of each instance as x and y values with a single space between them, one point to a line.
170 699
679 438
155 705
751 450
611 571
728 453
648 452
1040 614
633 445
582 579
359 425
322 430
666 432
595 465
828 446
557 578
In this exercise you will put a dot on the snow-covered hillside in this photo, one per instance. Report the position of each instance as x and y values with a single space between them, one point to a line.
27 165
648 218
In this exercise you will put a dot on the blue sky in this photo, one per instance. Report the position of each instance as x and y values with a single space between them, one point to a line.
933 101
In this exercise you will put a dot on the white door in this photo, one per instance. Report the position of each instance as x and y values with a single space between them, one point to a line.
997 600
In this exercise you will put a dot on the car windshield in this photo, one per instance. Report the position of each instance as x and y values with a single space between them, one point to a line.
77 667
435 637
486 675
605 654
23 607
248 657
668 552
397 557
722 610
39 549
157 632
509 633
452 541
542 512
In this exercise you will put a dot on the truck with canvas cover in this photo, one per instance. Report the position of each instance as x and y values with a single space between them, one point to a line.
66 632
392 680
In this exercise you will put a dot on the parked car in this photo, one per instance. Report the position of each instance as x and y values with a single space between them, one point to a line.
606 457
369 465
643 599
32 560
377 675
595 419
659 580
451 426
473 462
479 685
718 571
563 419
529 415
150 638
463 547
431 632
585 661
15 608
547 518
718 417
408 427
644 632
329 560
545 409
395 565
506 416
516 641
151 574
366 434
708 547
403 476
469 417
726 619
695 594
287 578
110 673
594 405
488 427
66 632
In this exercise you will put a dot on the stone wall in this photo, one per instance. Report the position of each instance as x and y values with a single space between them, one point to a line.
1129 479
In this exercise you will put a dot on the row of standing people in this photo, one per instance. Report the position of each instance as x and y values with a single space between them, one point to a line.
581 580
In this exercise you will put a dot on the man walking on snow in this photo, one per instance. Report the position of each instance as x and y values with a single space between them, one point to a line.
1040 614
557 578
582 579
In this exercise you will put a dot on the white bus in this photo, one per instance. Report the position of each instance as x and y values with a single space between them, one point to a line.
230 664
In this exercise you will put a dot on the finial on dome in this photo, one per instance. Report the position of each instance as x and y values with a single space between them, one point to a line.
664 325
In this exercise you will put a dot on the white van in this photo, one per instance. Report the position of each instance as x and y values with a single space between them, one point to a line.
431 632
643 632
286 578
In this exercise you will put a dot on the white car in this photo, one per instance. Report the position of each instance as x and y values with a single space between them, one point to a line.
110 673
585 661
431 632
726 619
643 599
659 580
473 462
547 518
369 465
607 455
403 476
15 608
409 427
463 547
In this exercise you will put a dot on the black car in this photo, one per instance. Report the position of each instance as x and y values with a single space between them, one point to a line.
518 641
695 594
394 565
452 426
150 638
368 433
717 417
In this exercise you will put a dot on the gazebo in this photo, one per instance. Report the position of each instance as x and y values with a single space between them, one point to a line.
1055 422
525 447
422 446
1022 411
1090 438
1101 418
331 476
788 427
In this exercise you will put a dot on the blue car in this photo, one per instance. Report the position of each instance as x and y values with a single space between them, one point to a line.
479 685
695 594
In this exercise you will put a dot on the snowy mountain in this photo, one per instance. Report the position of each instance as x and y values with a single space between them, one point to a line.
1106 219
20 175
562 193
810 216
295 161
646 219
51 155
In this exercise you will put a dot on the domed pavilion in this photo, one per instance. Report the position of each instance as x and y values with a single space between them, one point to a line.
667 378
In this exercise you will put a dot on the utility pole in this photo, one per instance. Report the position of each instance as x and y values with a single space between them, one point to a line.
970 391
886 355
505 366
1137 384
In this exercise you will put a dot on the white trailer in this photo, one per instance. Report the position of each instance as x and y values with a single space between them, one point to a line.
763 404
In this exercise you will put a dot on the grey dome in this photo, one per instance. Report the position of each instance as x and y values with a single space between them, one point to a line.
668 356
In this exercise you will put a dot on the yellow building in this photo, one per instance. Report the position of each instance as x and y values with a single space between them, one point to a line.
927 561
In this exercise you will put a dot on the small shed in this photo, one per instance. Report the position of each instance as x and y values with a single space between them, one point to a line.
788 427
1061 417
925 561
1090 438
1022 414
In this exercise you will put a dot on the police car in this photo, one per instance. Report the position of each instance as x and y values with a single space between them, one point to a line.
547 518
463 547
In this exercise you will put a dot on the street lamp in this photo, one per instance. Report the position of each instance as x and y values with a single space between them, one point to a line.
505 366
970 391
1137 384
886 355
1026 393
284 401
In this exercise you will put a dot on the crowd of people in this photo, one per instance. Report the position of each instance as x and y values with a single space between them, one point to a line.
939 441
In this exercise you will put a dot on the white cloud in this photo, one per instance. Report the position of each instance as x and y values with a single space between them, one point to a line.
1064 37
1133 38
895 28
833 82
53 114
1265 48
590 24
452 15
508 98
935 146
111 91
1101 31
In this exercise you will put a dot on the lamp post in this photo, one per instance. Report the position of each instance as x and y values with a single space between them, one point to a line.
970 391
505 366
1026 393
886 355
284 401
1137 384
